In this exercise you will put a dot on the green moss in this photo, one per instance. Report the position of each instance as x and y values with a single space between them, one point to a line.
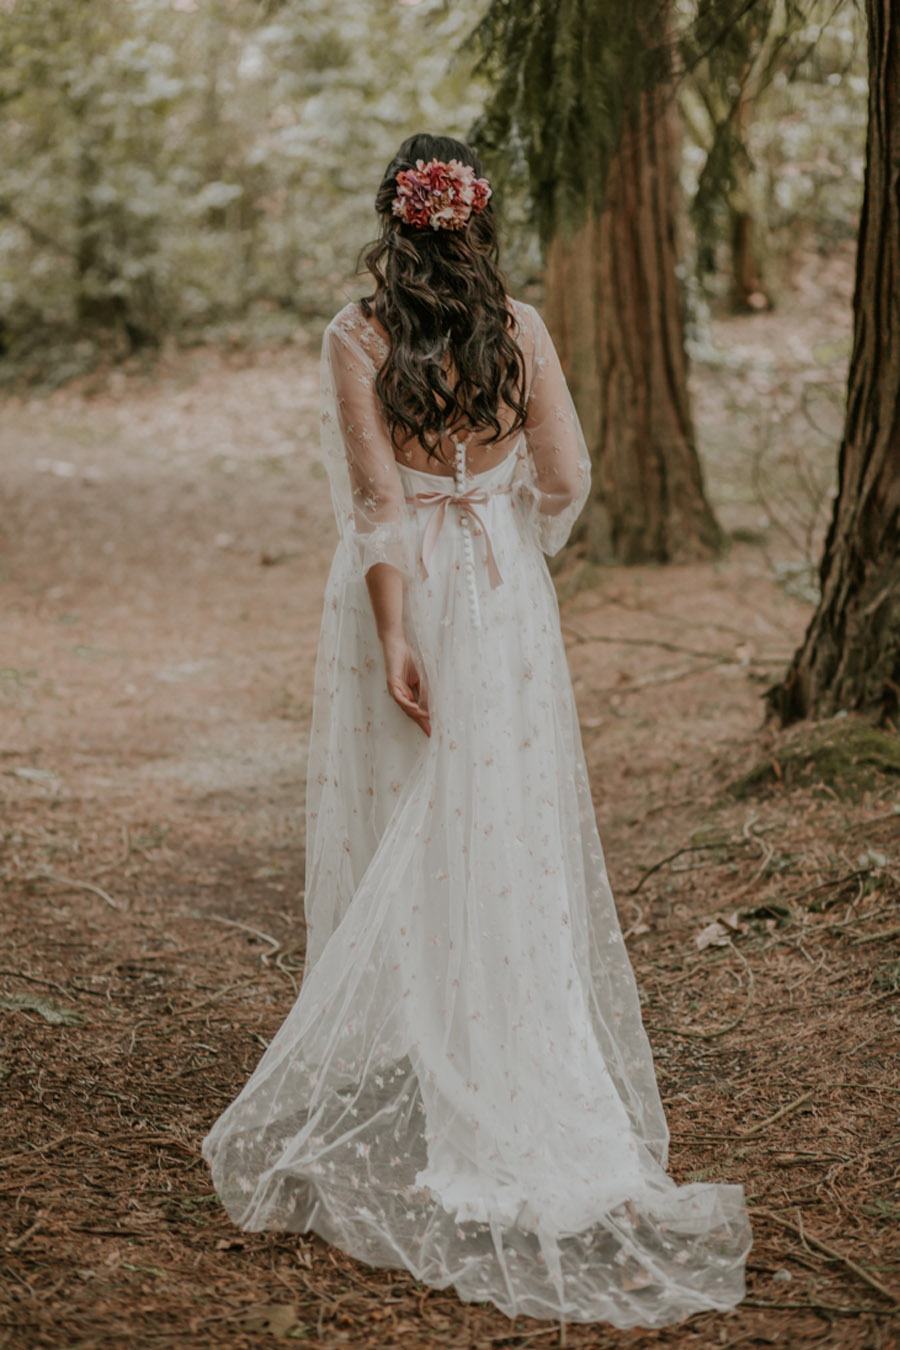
846 756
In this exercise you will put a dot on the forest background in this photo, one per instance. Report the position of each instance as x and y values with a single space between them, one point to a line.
185 186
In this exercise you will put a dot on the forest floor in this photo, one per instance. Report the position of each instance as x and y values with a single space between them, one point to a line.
165 545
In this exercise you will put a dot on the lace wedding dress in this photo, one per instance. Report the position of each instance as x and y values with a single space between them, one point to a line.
463 1086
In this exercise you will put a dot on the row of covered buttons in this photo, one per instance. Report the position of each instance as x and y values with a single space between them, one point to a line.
468 545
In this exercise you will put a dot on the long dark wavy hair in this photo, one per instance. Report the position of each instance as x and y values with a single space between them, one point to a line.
440 294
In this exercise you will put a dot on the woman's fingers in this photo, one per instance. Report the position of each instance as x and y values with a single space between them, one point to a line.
407 699
420 694
405 685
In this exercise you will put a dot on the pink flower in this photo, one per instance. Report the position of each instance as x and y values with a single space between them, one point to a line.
442 196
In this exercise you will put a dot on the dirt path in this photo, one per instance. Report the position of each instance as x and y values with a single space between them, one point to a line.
165 546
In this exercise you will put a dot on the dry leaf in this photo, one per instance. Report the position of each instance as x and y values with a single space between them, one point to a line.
274 1319
713 935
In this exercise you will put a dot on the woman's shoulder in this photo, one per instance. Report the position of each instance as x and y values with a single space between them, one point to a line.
352 317
529 326
520 309
527 318
347 320
353 325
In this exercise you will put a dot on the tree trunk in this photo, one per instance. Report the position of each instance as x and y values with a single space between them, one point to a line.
850 657
748 292
614 307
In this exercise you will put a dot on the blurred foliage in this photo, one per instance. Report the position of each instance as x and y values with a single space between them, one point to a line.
204 169
775 126
772 94
201 167
562 76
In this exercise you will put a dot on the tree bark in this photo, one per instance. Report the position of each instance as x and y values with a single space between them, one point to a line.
614 308
748 291
850 656
748 294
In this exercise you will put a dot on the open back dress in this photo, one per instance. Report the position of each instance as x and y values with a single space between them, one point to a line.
463 1086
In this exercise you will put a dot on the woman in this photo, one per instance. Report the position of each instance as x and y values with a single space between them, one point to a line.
463 1086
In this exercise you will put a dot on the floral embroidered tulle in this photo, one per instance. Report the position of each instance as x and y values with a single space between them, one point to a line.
464 1087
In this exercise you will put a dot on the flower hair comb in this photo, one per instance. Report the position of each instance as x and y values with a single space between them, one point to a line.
442 195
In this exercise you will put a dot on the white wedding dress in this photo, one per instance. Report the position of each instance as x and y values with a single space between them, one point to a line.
463 1086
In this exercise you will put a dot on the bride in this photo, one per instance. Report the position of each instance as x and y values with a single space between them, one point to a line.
463 1086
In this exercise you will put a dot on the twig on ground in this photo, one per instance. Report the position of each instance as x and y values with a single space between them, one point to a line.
77 885
213 998
846 1310
679 852
826 885
35 979
20 1241
809 1240
884 936
246 928
776 1115
585 638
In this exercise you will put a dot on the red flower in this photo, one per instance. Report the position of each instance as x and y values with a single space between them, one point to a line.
440 195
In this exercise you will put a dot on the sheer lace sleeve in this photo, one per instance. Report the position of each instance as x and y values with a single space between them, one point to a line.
367 491
559 477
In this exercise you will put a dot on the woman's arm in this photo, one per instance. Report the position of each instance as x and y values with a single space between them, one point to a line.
407 689
552 429
379 515
560 466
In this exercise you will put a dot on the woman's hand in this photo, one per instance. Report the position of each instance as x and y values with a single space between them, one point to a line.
405 685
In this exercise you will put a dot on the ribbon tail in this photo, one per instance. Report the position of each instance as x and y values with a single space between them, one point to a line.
432 530
490 561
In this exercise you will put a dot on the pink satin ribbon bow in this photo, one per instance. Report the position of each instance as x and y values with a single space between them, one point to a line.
463 501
